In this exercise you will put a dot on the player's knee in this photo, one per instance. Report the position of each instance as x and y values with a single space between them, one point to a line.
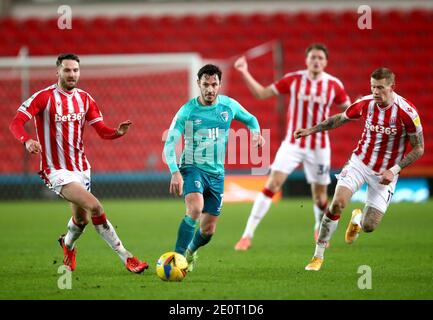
95 208
194 212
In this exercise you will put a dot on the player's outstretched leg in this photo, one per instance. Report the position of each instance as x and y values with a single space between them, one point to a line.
354 227
198 241
69 255
319 193
108 233
328 225
327 228
185 234
261 206
318 215
67 242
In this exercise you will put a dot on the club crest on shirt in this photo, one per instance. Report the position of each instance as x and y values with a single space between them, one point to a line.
224 115
409 109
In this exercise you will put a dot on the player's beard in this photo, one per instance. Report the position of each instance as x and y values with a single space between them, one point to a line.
67 86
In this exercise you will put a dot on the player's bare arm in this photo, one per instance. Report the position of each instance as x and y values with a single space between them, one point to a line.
417 143
176 184
344 106
123 127
255 87
33 146
331 123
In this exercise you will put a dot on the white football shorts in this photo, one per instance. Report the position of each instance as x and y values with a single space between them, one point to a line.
355 173
58 178
316 162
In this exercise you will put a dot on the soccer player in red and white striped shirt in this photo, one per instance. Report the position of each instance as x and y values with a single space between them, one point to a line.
391 122
60 112
312 93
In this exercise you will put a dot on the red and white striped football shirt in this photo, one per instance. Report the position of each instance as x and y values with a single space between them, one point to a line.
386 131
310 102
59 119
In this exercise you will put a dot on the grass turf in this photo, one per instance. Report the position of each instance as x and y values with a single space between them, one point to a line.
399 253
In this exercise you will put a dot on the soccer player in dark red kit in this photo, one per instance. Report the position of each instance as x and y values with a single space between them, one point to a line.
60 112
391 122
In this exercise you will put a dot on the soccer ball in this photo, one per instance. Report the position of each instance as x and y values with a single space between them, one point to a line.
171 266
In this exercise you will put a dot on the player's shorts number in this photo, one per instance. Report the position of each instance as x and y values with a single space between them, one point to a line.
322 169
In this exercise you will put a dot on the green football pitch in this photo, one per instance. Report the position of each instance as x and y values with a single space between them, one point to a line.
399 255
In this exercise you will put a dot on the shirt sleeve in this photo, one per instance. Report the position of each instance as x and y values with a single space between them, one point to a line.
17 127
93 113
174 134
104 131
33 105
340 94
242 115
283 85
411 120
355 110
29 108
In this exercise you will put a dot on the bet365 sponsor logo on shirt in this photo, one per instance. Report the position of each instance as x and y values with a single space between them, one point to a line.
381 129
69 117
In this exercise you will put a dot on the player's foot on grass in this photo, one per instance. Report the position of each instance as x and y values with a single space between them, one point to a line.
316 237
191 258
243 244
315 264
68 255
353 229
136 266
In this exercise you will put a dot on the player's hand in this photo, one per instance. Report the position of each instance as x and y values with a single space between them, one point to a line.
301 133
123 127
385 177
33 146
176 184
241 64
257 141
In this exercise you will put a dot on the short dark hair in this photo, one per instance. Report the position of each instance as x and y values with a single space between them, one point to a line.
66 56
384 73
317 46
210 69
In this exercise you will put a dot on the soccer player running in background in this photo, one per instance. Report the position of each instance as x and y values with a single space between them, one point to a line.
312 92
390 122
205 122
60 112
